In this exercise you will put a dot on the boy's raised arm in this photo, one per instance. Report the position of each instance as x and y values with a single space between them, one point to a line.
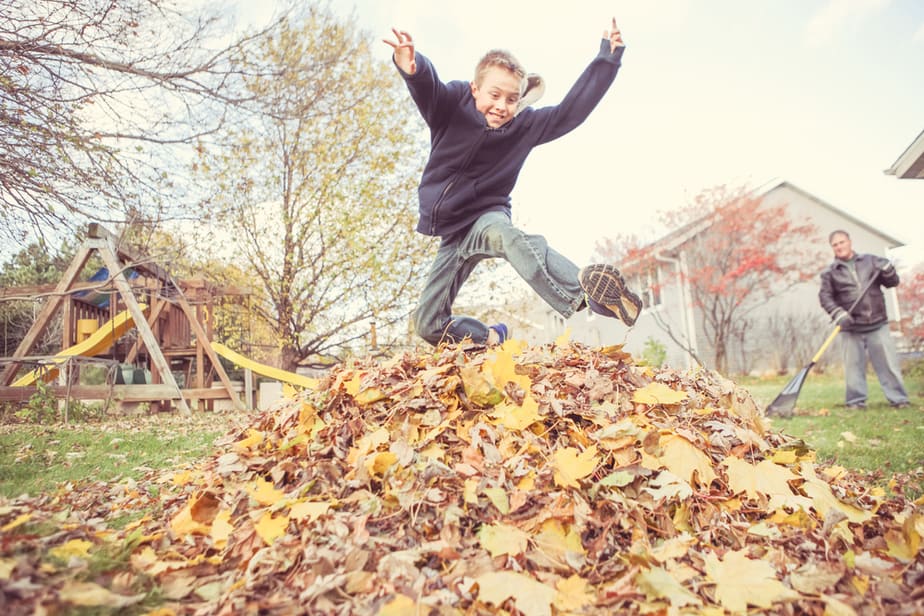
404 50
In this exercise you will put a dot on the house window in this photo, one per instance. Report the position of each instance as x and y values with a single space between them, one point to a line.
648 286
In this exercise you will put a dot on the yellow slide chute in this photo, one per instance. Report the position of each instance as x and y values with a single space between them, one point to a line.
98 342
277 374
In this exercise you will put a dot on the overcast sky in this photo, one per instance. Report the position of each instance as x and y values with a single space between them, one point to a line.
825 94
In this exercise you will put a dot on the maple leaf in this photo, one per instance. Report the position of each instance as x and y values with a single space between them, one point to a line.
667 485
657 583
741 581
479 386
531 597
574 593
196 517
765 478
658 393
270 528
221 528
310 510
264 492
570 465
88 594
516 417
823 499
684 459
253 438
79 548
502 538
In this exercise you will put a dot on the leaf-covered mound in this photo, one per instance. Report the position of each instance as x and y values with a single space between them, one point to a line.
548 480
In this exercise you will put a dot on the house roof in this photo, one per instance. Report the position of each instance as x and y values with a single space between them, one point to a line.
910 165
678 237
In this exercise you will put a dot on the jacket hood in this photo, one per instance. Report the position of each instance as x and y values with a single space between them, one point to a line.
535 88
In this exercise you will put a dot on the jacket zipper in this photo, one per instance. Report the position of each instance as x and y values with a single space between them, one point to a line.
463 167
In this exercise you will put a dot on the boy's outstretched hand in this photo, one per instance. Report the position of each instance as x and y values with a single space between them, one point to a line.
614 35
404 50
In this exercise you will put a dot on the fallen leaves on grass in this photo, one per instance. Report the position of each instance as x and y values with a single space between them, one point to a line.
533 481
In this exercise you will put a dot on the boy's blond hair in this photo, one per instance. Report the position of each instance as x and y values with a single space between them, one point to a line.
505 60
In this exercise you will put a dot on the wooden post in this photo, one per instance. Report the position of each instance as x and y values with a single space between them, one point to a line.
107 251
48 310
213 357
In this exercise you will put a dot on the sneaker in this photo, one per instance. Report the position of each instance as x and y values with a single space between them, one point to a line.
900 405
855 407
607 293
501 331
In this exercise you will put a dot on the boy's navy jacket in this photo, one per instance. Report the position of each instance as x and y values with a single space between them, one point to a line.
473 168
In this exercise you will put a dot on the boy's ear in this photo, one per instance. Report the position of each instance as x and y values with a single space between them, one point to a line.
473 87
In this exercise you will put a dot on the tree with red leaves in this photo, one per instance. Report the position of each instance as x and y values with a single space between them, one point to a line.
911 301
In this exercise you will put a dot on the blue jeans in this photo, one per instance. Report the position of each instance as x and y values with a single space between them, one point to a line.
881 349
551 275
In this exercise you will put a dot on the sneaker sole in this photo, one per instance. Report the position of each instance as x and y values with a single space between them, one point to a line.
605 285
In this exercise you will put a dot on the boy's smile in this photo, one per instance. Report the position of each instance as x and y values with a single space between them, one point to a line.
497 95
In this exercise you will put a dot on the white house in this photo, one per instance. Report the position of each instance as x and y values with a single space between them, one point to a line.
781 334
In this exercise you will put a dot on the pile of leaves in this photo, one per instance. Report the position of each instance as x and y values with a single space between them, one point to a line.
518 480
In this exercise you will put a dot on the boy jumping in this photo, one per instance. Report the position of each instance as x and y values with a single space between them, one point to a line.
480 135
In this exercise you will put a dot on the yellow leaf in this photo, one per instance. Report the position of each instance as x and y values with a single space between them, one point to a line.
500 538
310 510
196 517
516 417
380 463
850 437
823 499
570 465
785 456
221 528
270 528
528 482
470 491
479 386
531 597
6 568
504 370
401 605
741 581
658 393
657 583
556 544
763 478
264 492
574 593
499 499
674 547
89 594
183 478
564 338
79 548
254 437
362 396
17 521
685 459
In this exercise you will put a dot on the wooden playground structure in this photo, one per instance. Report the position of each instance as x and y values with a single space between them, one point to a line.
173 323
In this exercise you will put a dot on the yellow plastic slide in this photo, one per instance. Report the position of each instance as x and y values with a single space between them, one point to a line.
98 342
276 374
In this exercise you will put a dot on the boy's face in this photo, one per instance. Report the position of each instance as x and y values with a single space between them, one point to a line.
497 95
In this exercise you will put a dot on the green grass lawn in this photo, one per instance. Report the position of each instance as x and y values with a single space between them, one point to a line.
878 439
36 457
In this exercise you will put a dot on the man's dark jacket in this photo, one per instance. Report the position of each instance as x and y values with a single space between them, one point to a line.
841 284
473 168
